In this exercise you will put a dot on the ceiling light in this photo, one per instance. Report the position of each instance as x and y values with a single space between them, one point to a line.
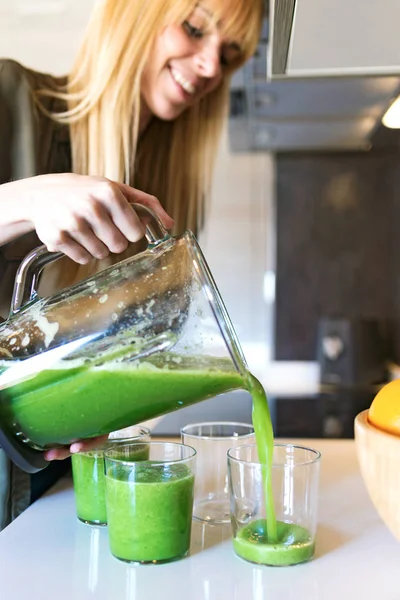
391 118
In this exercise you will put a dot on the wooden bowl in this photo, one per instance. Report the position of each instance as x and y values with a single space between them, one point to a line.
379 458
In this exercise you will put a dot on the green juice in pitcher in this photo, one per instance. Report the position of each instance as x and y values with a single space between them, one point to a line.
56 406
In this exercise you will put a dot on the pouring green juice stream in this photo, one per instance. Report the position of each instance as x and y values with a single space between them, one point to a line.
268 541
265 447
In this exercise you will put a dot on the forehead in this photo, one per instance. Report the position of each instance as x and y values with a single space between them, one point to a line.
215 10
213 7
236 19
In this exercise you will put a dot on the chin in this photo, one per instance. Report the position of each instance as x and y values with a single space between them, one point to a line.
169 115
168 112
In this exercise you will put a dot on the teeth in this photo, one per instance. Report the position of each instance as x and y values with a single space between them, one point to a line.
187 86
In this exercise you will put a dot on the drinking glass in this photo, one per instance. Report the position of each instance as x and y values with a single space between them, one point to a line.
88 474
212 440
294 478
149 503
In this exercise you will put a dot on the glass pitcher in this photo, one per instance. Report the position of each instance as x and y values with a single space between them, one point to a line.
144 337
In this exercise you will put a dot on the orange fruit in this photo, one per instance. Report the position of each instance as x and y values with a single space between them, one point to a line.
384 411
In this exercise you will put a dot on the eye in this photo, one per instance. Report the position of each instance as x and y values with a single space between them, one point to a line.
193 32
230 55
224 61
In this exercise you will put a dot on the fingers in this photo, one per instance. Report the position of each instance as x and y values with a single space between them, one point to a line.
134 195
119 225
92 217
79 446
80 244
56 454
65 244
87 445
88 239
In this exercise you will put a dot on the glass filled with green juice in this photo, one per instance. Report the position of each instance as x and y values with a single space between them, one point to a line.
88 473
150 503
278 528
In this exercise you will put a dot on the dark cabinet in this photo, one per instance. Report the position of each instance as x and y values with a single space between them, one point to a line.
328 414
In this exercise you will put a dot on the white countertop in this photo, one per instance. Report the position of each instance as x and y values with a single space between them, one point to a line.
47 554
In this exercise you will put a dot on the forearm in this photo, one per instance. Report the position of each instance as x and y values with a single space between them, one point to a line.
13 211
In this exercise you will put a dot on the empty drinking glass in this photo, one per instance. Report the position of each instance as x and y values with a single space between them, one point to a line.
212 441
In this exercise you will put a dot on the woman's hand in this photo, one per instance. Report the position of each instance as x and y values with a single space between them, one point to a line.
79 446
79 215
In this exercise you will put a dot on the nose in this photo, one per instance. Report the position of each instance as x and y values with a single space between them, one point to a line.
208 59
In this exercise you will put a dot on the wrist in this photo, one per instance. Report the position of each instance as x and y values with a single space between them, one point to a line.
16 205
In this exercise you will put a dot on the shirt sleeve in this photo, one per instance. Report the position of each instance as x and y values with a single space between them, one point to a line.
17 124
18 159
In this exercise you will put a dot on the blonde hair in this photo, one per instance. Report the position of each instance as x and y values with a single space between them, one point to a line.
172 160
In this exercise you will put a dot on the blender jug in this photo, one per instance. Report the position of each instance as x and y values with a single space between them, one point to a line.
144 337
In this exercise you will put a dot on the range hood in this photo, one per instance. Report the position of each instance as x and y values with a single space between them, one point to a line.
323 76
313 38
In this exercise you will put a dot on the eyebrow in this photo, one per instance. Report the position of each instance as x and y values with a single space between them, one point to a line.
233 45
203 8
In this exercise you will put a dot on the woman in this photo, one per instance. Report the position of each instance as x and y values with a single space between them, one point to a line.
137 120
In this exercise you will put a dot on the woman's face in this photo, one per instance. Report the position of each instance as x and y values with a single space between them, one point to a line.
186 63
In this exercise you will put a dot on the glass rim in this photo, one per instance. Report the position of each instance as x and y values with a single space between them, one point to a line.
144 431
154 463
114 441
315 459
217 437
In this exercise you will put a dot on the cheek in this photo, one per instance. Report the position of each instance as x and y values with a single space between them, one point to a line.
174 43
212 85
159 55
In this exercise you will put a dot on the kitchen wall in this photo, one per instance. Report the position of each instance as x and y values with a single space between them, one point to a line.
238 243
395 187
337 243
43 34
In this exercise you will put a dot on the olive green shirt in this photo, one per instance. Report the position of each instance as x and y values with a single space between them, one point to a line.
30 144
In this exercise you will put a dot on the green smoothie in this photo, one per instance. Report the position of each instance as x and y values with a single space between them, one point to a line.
265 446
149 511
294 544
57 406
89 483
268 541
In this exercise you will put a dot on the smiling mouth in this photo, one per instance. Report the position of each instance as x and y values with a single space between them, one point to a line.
188 87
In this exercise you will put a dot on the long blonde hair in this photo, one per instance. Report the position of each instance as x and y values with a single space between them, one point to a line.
171 160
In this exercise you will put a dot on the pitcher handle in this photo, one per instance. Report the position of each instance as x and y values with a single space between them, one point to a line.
27 277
